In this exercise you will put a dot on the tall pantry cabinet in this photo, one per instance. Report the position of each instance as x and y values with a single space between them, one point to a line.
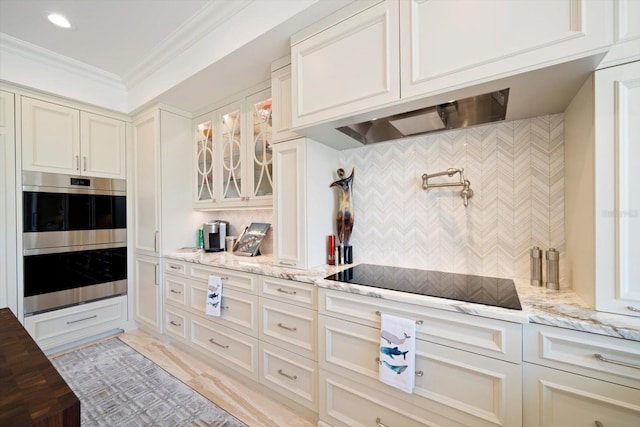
8 225
163 216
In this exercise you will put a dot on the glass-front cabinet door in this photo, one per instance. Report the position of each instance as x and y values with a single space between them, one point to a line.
233 164
232 146
205 189
259 147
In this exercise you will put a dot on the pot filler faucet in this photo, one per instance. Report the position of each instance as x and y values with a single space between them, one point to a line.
466 192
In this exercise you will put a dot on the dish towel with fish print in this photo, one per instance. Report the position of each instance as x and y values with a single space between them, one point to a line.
397 352
214 296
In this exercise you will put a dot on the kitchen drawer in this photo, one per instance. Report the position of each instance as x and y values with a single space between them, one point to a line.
246 282
472 389
289 326
66 325
303 294
175 290
238 310
175 267
176 324
222 345
557 398
347 403
576 351
489 337
293 376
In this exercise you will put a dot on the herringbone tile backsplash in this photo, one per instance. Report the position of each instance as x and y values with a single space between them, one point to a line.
516 171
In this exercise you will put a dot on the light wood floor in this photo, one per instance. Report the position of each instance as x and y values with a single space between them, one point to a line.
239 399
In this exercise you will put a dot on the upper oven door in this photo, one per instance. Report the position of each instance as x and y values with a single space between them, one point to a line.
62 210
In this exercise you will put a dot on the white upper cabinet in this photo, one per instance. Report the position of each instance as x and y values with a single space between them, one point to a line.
281 102
102 146
617 191
626 34
303 208
350 66
364 58
602 196
447 45
233 166
61 139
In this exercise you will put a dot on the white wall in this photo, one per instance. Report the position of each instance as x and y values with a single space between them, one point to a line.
516 171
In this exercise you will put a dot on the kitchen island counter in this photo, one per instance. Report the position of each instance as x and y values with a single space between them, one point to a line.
562 308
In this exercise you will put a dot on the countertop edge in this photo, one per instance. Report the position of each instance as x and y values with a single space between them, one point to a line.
563 308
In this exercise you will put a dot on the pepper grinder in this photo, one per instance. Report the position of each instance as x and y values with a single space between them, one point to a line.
553 269
536 266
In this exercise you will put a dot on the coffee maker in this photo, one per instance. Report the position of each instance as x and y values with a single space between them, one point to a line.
215 234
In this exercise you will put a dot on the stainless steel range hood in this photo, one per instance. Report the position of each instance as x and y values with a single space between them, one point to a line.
533 93
471 111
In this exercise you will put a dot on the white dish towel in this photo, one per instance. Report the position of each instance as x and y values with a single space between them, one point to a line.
214 296
397 352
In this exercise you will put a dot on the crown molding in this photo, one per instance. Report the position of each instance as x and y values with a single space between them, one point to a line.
39 56
189 33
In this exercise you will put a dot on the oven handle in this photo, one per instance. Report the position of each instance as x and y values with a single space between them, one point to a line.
61 249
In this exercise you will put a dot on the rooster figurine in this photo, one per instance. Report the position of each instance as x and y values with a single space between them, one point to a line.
344 218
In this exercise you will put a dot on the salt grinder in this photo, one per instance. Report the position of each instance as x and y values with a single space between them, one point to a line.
553 269
536 266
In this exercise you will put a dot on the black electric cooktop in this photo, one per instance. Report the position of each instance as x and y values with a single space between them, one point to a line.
492 291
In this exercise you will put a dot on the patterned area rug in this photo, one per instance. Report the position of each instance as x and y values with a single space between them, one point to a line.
117 386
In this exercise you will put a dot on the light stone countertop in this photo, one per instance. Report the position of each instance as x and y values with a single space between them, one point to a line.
561 308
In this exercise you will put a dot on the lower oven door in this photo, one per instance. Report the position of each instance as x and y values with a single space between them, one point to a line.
61 277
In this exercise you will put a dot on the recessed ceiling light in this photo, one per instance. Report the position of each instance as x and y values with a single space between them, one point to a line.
59 20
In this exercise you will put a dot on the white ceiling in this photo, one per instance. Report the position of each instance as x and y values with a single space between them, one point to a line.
155 49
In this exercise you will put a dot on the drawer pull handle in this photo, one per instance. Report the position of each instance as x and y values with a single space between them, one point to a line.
418 322
280 325
173 291
615 362
379 422
175 324
224 307
291 377
224 278
212 341
598 423
82 320
286 292
175 267
632 308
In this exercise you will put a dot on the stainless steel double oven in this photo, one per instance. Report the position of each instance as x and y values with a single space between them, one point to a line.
74 240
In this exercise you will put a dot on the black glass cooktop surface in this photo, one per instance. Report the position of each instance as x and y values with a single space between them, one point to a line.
492 291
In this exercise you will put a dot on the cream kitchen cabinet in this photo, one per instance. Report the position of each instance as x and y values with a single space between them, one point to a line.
8 219
281 100
346 64
147 293
601 193
626 35
492 39
454 386
233 159
230 339
288 339
163 217
304 205
61 139
578 378
60 327
371 55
